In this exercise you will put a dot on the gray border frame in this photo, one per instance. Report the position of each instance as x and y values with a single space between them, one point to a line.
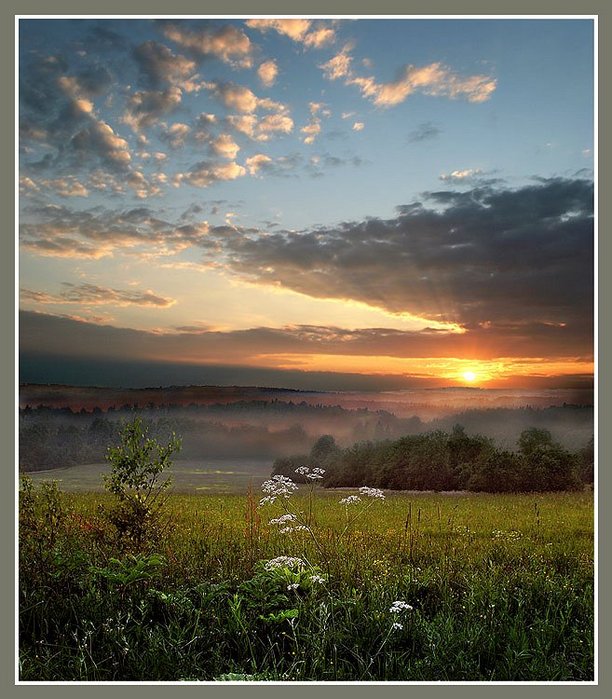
8 10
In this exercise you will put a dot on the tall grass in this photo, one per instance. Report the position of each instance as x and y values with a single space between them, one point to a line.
500 588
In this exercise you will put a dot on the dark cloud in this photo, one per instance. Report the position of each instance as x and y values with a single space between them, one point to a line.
145 108
159 66
424 132
94 81
481 256
63 232
193 343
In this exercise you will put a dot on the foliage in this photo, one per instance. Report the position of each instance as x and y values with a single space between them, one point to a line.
136 479
501 588
441 461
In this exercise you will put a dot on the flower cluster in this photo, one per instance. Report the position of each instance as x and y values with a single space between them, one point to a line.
372 492
397 608
350 500
283 519
277 486
400 606
312 474
284 562
317 579
285 522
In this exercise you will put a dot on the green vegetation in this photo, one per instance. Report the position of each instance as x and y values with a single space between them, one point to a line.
500 587
442 461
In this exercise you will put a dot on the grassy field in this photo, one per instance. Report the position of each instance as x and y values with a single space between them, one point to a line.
492 587
188 476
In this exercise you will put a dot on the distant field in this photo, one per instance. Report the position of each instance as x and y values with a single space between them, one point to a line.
189 476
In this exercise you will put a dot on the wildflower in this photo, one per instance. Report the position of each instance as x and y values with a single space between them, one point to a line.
350 500
277 486
283 519
313 475
372 492
317 579
290 530
293 586
284 562
400 606
396 626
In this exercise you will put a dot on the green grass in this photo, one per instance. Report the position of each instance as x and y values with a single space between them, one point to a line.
188 475
501 588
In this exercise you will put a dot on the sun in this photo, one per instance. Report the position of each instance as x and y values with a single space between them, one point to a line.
469 376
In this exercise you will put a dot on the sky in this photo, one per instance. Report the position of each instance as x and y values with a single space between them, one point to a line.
380 202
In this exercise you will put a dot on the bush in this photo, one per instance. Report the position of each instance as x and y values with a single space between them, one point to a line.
137 465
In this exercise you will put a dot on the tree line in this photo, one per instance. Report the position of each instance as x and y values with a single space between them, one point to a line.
452 460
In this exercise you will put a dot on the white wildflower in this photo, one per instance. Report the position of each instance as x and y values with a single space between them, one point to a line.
283 519
293 586
312 474
317 579
396 626
400 606
316 473
350 500
372 492
277 486
284 562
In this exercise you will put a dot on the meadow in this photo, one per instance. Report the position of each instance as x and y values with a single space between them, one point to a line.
405 587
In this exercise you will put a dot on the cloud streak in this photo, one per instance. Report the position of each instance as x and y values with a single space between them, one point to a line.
434 79
93 295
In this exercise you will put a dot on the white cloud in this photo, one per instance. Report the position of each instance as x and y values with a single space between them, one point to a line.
458 175
303 31
267 72
228 43
225 146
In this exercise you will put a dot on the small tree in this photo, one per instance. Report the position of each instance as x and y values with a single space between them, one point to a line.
137 465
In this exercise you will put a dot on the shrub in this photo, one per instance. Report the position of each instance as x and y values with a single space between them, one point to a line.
136 478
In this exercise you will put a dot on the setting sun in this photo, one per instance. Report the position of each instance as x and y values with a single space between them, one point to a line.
469 376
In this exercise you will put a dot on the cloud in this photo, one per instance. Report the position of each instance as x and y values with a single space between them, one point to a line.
224 146
93 295
358 126
146 107
100 141
261 129
175 134
58 231
205 173
461 175
280 167
339 66
258 162
267 73
482 256
69 338
243 99
228 43
67 186
303 31
160 67
435 79
313 128
424 132
142 187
